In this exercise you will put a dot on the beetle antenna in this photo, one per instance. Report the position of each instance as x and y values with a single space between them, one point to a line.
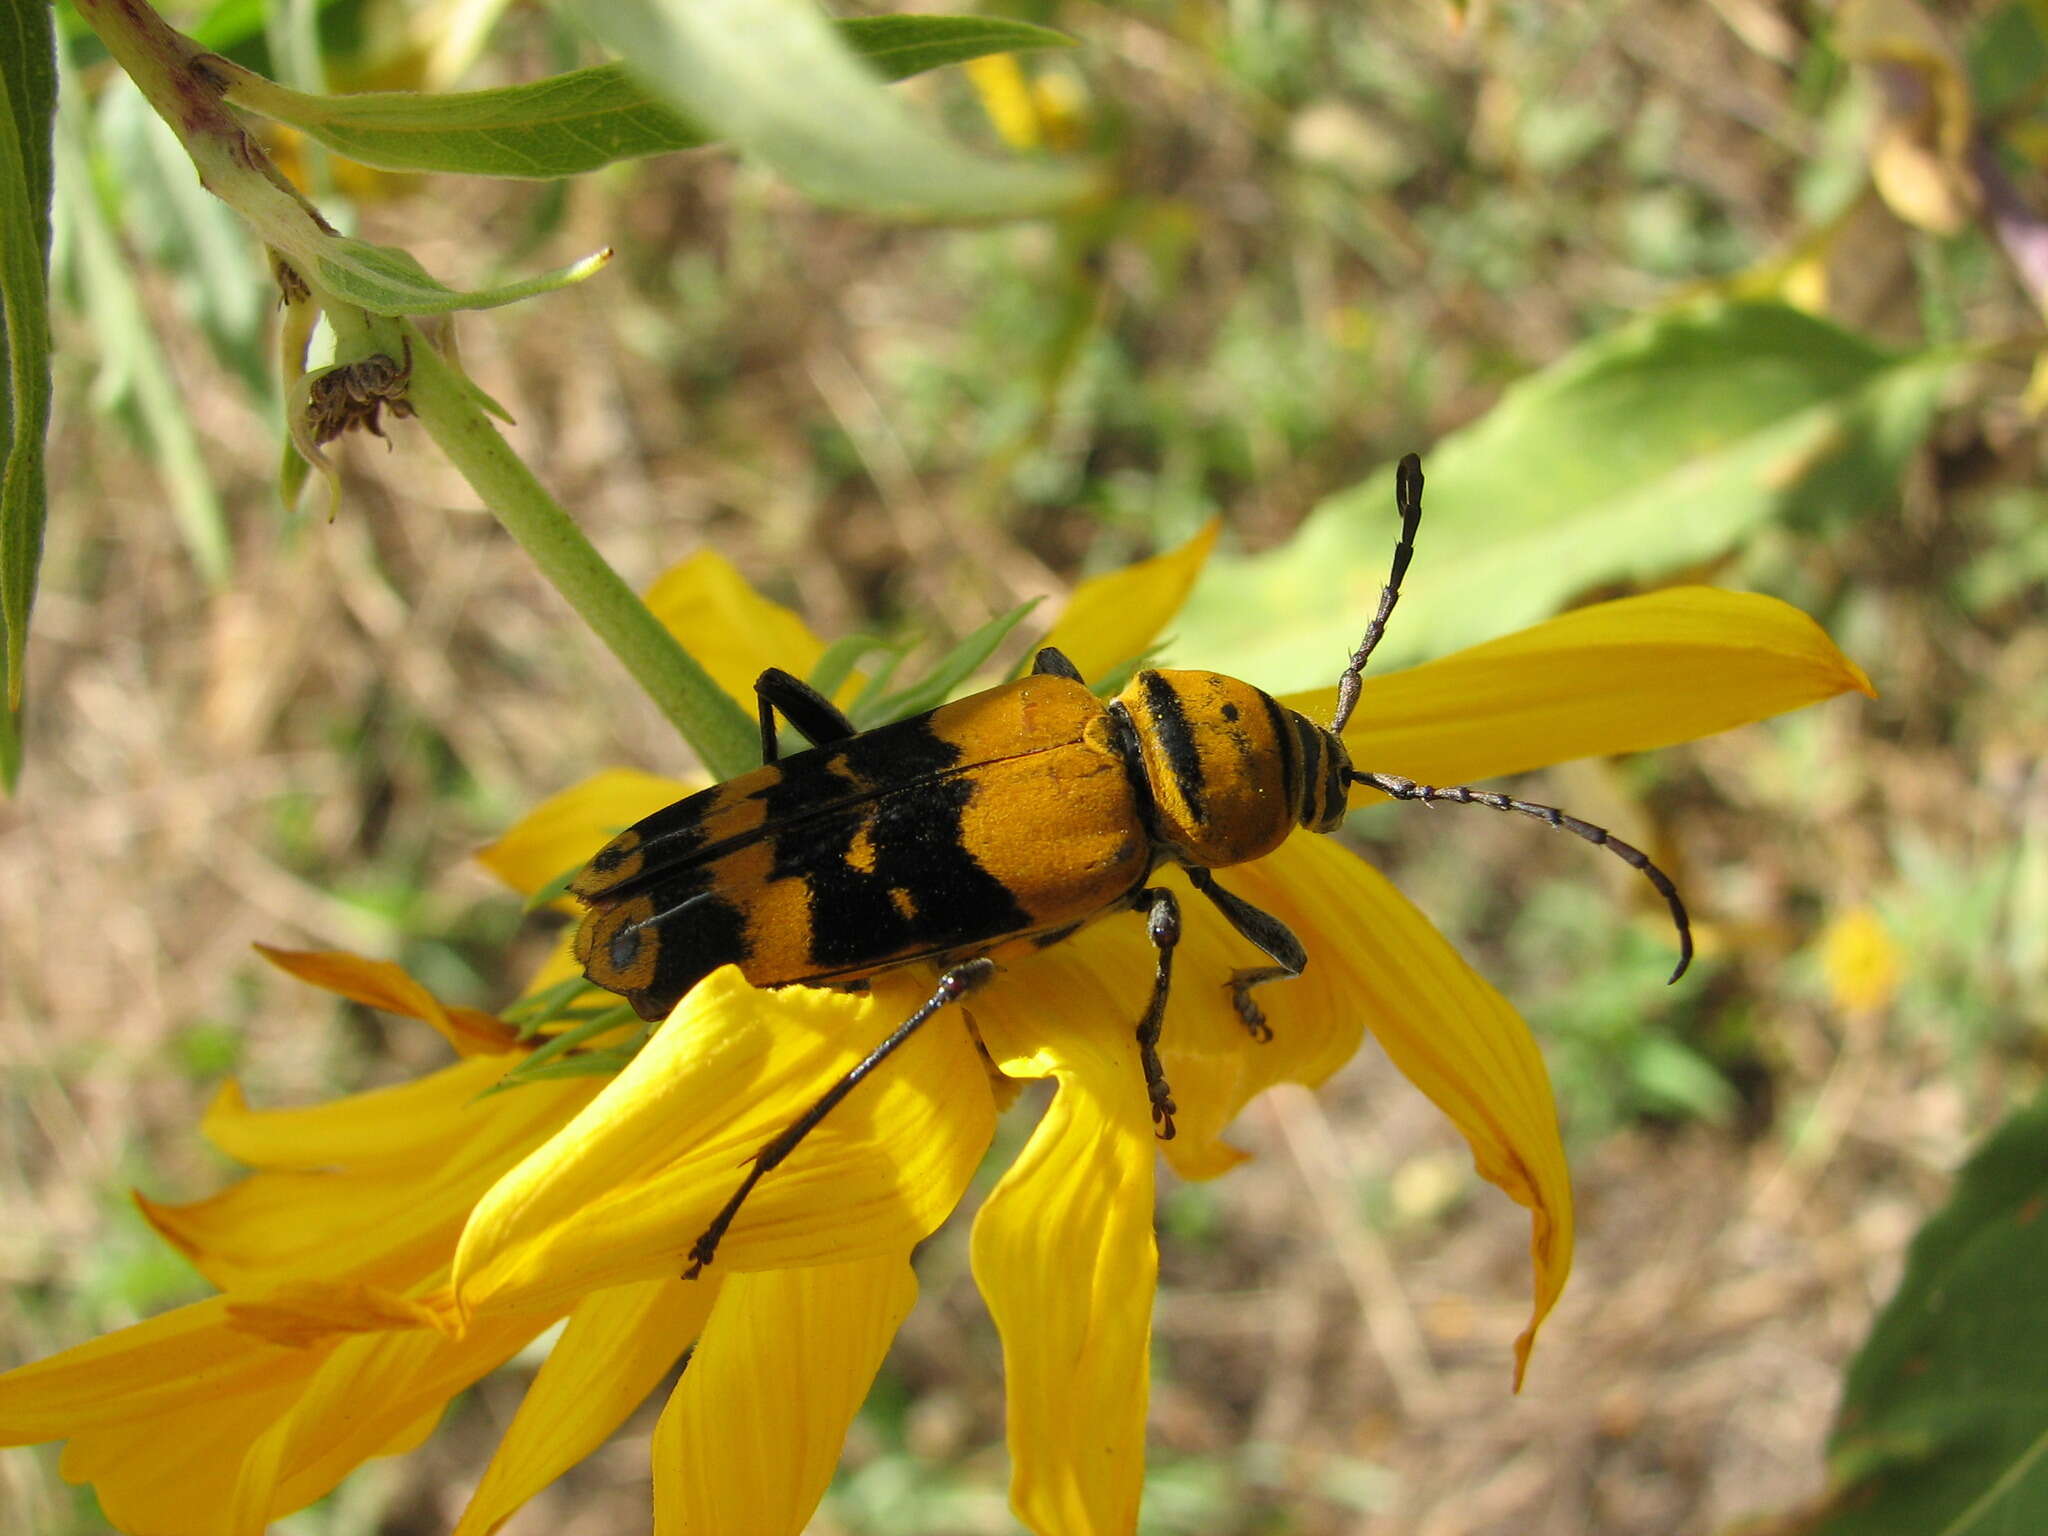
1628 853
1408 500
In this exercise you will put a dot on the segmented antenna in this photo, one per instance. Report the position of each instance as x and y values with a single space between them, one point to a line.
1628 853
1408 500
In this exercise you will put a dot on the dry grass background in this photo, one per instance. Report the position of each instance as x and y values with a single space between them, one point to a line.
1345 249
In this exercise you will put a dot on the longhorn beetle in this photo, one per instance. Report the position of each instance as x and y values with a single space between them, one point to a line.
1002 822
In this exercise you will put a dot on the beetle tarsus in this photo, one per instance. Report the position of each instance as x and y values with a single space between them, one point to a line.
1240 989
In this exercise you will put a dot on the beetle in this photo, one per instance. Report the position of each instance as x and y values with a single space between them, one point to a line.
997 824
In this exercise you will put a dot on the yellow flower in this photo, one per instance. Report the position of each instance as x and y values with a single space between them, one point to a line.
392 1247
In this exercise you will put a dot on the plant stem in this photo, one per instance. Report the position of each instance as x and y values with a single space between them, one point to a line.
716 727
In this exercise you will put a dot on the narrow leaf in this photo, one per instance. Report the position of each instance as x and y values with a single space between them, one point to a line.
1643 453
576 122
958 664
774 79
28 92
388 281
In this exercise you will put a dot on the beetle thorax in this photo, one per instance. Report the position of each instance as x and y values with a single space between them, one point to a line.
1230 770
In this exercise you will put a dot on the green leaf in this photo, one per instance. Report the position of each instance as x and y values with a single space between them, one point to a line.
1944 1418
133 372
1640 454
388 281
28 92
953 669
568 124
776 81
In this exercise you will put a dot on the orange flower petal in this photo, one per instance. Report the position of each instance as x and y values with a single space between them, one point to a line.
750 1438
625 1189
380 984
1624 676
618 1345
1118 615
1065 1258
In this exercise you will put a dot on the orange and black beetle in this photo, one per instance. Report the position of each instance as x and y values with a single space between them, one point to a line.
1003 821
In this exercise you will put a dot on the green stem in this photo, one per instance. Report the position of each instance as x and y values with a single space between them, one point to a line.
716 727
185 86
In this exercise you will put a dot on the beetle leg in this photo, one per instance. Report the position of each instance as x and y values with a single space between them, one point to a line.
1162 927
817 717
1264 930
954 985
1052 661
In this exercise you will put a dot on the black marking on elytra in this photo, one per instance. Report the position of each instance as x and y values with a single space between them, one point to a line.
910 840
694 932
813 782
1229 712
673 835
1168 722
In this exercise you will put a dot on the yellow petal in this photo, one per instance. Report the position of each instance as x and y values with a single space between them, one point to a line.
750 1438
189 1427
166 1366
374 1187
373 1395
405 1128
624 1190
380 984
1624 676
1860 961
618 1346
1064 1256
1118 615
998 79
1374 963
560 834
1451 1034
729 627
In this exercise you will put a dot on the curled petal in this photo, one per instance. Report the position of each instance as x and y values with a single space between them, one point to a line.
1379 962
1624 676
750 1438
1118 615
1374 963
382 985
617 1347
1064 1256
626 1188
